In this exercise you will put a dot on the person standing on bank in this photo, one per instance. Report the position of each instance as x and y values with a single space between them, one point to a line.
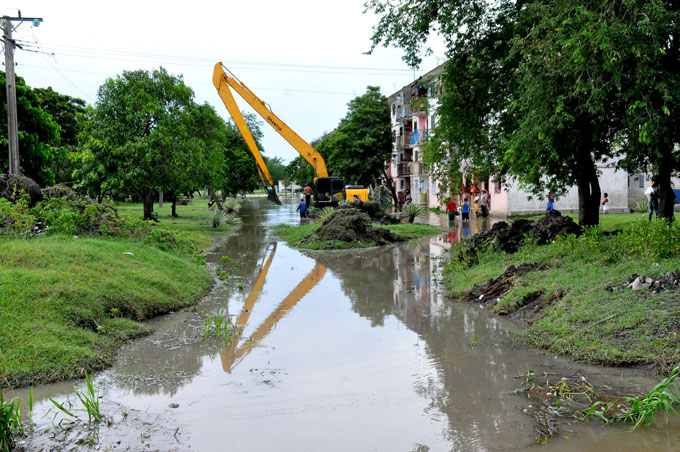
605 204
302 208
308 196
551 204
451 209
652 194
466 210
484 203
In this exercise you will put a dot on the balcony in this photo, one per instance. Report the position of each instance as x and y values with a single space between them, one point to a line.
403 113
418 136
404 142
404 169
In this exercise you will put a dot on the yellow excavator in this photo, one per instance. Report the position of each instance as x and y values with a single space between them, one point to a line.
327 190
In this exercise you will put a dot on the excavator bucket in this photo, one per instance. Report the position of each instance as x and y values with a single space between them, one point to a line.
272 196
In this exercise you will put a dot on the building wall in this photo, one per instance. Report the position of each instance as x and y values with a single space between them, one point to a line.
613 182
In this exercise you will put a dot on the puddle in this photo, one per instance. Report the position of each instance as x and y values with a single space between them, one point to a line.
338 351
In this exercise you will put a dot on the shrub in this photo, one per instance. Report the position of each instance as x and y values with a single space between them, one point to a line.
16 218
640 207
233 205
411 211
324 213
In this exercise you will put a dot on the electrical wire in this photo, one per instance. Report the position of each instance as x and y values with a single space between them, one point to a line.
201 83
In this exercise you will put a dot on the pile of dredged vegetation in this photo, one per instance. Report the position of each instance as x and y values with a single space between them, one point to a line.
510 236
349 224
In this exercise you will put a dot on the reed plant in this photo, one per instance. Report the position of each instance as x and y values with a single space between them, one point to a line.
11 425
88 399
663 397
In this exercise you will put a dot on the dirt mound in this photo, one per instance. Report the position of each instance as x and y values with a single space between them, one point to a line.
668 281
510 237
349 224
12 186
373 209
62 191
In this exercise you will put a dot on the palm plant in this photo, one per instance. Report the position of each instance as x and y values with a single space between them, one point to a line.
640 207
324 213
233 205
411 211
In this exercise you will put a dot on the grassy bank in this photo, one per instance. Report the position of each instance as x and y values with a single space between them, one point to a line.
294 235
568 307
67 302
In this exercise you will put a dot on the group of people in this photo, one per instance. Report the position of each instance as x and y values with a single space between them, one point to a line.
480 206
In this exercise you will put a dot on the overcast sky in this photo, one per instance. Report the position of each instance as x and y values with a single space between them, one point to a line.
305 58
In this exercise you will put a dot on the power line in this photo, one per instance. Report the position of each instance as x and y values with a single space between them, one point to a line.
196 83
90 50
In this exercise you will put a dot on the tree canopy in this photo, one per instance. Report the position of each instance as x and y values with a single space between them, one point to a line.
362 143
543 90
37 133
70 114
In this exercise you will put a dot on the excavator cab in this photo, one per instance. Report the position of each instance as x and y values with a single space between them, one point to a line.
328 191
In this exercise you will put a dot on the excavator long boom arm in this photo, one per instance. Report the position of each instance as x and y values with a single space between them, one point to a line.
222 82
242 126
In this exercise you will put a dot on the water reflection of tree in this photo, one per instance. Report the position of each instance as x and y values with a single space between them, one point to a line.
465 381
367 280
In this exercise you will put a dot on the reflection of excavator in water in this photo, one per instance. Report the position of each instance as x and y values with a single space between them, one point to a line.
327 190
233 353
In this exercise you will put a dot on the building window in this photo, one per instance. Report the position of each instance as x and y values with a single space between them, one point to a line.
641 178
497 186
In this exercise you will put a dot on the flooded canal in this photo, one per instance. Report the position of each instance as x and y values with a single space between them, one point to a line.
346 351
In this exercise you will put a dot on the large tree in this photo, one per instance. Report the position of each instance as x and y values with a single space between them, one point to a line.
37 133
134 117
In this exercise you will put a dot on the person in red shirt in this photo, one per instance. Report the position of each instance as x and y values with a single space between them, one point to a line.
451 209
308 196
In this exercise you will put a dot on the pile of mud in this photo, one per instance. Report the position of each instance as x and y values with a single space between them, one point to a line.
509 237
12 187
350 224
668 281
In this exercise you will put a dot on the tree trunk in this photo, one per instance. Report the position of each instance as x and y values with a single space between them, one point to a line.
390 184
215 199
147 199
666 193
588 195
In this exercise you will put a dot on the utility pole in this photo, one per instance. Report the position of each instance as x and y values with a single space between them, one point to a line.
10 82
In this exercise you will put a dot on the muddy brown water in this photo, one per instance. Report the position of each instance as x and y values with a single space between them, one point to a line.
345 351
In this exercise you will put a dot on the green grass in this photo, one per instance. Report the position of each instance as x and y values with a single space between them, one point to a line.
67 304
192 220
294 235
584 320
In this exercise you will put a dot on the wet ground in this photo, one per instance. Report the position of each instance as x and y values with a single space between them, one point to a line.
340 351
